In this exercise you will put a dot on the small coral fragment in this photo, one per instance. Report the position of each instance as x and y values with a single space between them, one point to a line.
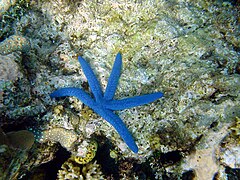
14 43
65 137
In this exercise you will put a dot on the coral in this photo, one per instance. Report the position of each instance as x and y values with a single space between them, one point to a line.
171 140
180 49
62 117
65 137
58 110
86 113
31 110
204 161
14 152
72 170
85 152
41 153
64 58
229 151
11 162
14 43
9 69
187 49
235 128
126 169
5 4
14 89
10 16
22 139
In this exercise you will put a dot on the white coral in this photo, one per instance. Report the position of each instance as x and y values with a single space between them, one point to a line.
71 170
203 161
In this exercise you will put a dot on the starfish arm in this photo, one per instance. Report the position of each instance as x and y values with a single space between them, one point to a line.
132 102
76 92
113 78
92 79
118 124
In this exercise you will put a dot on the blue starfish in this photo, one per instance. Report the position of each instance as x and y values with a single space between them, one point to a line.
104 104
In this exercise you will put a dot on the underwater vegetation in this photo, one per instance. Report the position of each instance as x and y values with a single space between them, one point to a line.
187 49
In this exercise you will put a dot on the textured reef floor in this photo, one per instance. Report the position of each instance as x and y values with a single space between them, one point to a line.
189 50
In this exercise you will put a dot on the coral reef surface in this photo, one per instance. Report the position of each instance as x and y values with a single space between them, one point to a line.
189 50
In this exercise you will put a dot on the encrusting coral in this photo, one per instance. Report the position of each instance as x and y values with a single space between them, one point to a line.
236 129
14 43
85 153
204 161
65 137
9 69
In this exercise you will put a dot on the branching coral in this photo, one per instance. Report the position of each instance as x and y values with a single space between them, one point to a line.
72 170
